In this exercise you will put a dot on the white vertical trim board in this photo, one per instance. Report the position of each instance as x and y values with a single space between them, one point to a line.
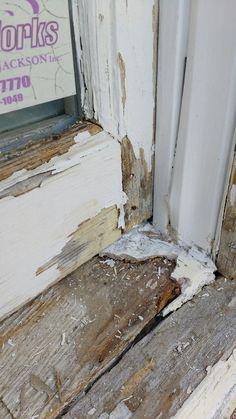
207 123
118 42
173 37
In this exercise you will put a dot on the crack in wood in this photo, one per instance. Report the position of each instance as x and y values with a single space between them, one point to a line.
7 408
156 376
152 324
99 312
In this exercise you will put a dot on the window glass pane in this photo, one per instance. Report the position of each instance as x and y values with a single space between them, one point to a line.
38 75
31 115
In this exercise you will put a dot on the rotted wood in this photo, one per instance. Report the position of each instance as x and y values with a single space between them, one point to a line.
53 349
137 184
226 261
36 153
159 373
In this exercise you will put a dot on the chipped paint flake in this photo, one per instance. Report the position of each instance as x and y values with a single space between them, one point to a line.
193 274
112 68
140 244
82 137
193 269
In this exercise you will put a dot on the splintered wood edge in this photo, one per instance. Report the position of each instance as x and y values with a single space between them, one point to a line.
36 153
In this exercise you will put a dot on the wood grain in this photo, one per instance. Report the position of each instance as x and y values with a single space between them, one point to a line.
58 216
36 153
158 374
137 184
56 347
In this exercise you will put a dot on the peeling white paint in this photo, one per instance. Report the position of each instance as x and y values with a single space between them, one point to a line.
141 243
215 397
82 137
194 269
94 144
120 107
35 226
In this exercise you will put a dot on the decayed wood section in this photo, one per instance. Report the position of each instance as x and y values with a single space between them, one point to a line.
53 349
159 373
226 261
137 184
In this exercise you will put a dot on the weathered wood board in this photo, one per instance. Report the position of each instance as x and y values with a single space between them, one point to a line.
226 261
35 153
159 373
56 347
57 210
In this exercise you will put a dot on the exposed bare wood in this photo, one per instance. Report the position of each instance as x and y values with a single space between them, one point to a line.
55 217
227 254
158 374
119 87
38 152
90 237
137 184
55 347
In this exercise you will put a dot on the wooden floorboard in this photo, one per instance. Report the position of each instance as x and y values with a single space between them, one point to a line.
57 346
159 373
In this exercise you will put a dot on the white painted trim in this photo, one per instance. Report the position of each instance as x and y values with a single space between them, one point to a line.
118 68
173 38
215 396
207 123
36 226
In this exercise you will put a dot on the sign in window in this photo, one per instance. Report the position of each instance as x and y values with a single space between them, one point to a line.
36 58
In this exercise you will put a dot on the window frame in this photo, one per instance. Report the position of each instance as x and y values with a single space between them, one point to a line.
19 137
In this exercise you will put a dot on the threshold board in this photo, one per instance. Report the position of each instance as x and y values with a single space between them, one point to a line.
56 347
157 375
